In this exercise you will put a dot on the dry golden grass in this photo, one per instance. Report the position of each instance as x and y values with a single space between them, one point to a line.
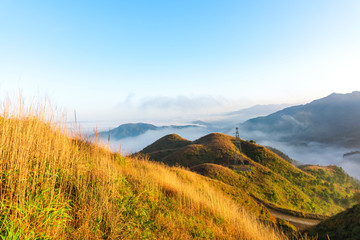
57 185
196 196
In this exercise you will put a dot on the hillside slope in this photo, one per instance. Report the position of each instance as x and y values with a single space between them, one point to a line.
345 225
55 185
332 120
265 176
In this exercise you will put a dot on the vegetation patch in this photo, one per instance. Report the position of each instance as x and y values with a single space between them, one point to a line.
345 225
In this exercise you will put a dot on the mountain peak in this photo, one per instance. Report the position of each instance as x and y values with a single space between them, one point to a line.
331 120
167 142
174 138
339 97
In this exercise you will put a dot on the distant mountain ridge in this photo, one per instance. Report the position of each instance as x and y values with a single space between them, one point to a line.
136 129
334 119
258 110
230 118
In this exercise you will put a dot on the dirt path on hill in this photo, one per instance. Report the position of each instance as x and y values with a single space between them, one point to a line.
300 223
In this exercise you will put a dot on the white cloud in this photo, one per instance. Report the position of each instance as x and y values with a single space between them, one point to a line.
175 109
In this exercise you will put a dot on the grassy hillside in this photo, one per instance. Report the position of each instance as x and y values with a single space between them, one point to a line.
265 176
56 185
167 142
345 225
284 156
214 148
337 184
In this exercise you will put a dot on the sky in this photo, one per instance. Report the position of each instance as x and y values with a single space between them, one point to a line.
153 61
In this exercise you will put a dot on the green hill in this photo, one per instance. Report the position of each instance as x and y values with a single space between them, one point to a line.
168 142
265 176
213 148
345 225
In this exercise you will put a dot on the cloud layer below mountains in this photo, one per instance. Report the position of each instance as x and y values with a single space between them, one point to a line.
134 144
165 109
312 153
317 154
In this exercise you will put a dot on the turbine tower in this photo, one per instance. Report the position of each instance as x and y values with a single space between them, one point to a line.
238 157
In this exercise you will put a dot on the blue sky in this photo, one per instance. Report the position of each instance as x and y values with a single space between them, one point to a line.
153 60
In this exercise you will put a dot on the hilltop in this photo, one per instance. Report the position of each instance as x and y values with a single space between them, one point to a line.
167 142
311 191
213 148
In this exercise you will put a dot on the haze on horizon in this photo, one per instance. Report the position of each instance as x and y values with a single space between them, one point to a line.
177 60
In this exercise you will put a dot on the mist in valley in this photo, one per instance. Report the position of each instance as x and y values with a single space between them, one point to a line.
131 145
306 153
309 153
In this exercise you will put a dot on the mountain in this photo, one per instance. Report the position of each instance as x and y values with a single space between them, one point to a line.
128 130
136 129
345 225
226 121
331 120
252 112
213 148
311 191
167 143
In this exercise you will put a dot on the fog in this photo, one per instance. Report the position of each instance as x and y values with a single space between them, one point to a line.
134 144
310 153
306 153
182 108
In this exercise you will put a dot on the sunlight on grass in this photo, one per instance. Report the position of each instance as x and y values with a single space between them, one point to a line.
56 184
